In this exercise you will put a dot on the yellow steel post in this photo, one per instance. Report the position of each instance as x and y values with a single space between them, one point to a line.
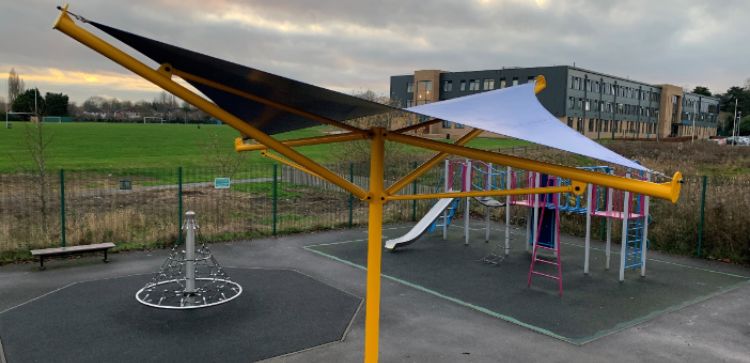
66 25
376 199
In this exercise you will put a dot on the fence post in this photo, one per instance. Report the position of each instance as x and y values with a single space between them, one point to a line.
62 208
179 204
414 191
275 196
703 214
351 196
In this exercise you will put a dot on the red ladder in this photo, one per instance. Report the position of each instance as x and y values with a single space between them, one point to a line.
556 261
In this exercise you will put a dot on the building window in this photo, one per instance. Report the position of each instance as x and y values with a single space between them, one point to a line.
530 79
410 87
489 83
571 103
573 82
591 125
579 104
458 126
448 86
587 105
463 86
409 103
473 85
515 81
446 124
570 122
502 82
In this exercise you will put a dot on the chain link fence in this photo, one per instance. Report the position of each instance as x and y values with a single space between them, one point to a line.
143 208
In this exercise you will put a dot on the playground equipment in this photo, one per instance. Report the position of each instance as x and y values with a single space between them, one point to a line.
442 213
259 104
189 278
543 226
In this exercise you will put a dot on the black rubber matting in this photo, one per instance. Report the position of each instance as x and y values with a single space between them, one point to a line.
279 312
591 307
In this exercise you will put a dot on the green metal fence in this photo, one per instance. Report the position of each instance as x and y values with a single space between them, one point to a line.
143 208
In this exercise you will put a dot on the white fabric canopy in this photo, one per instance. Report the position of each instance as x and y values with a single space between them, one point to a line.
516 112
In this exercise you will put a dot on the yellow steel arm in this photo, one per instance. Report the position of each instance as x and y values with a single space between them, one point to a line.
575 188
66 25
207 82
427 165
301 168
669 191
239 144
417 126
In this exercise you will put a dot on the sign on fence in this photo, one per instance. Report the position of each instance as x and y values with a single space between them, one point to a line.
222 183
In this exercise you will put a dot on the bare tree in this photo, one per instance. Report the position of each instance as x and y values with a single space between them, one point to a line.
3 106
37 143
166 103
15 87
396 154
185 107
221 154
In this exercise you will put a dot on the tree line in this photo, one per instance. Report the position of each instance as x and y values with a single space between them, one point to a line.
96 108
165 106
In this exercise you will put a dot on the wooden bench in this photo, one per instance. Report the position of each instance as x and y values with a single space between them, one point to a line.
62 251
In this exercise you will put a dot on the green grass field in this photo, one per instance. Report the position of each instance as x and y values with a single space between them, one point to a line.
100 146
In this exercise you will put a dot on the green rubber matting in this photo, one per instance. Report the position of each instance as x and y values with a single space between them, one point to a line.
591 307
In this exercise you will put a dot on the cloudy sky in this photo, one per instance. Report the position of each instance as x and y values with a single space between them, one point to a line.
356 45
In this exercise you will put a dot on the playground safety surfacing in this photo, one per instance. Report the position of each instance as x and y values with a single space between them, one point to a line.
591 307
279 312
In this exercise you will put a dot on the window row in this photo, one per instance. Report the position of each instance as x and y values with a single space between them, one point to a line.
611 126
484 84
613 89
611 107
699 116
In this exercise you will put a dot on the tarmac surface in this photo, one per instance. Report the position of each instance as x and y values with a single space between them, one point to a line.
418 326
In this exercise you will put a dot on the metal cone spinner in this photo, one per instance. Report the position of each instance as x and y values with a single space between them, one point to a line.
189 278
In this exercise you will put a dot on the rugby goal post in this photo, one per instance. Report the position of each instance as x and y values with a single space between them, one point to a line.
151 119
57 119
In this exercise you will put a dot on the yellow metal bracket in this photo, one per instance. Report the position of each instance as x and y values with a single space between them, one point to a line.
239 143
166 70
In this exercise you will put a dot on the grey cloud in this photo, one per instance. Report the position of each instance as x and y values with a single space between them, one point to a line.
645 40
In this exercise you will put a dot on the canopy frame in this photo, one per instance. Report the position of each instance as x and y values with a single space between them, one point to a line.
377 195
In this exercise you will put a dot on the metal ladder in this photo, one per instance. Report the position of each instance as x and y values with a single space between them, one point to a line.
634 244
554 246
444 218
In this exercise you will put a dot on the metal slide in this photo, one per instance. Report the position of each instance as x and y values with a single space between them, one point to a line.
421 226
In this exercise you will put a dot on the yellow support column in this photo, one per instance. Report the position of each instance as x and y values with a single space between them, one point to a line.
376 199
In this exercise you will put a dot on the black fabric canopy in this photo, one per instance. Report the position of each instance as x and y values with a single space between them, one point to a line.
313 99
